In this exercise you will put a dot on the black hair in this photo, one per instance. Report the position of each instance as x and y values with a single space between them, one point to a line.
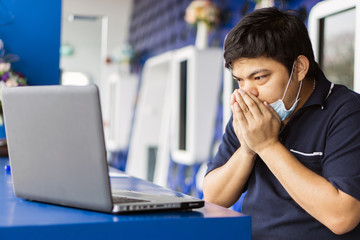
269 32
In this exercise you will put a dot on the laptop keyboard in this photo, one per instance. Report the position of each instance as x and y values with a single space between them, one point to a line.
118 199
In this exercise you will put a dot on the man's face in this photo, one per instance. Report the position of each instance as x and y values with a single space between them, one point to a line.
265 78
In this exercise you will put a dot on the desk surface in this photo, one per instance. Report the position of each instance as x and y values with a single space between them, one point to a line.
24 219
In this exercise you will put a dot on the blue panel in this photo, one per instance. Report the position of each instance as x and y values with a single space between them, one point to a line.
34 35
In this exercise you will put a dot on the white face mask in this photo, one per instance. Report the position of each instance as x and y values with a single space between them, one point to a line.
279 105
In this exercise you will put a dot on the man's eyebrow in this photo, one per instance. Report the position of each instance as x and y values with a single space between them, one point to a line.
235 77
251 74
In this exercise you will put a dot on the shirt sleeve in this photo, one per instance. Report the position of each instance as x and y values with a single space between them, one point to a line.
227 148
341 163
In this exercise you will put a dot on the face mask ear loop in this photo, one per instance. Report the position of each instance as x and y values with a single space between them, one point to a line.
299 90
287 86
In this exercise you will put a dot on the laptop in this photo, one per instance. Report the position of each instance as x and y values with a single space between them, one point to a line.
57 153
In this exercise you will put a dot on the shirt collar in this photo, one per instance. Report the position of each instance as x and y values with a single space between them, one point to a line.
322 90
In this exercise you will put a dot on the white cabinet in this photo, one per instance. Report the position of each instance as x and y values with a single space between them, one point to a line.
196 83
176 111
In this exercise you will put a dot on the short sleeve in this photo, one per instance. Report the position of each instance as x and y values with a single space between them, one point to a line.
341 163
229 144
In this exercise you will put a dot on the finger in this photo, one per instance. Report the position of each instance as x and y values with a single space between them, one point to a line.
233 111
251 102
272 111
261 105
232 101
239 114
232 98
239 99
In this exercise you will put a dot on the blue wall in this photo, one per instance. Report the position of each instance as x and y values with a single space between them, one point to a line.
33 34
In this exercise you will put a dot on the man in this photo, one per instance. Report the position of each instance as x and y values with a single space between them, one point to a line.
293 141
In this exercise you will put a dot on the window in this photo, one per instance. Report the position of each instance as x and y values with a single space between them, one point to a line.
334 37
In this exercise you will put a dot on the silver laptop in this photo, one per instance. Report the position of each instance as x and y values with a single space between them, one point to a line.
57 152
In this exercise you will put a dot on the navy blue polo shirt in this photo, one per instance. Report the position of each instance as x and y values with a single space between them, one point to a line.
324 135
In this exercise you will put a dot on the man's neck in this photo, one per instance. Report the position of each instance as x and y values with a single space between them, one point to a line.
305 92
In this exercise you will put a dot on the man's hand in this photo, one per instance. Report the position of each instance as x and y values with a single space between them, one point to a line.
236 123
257 122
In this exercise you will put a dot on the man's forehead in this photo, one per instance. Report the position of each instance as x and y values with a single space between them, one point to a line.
253 61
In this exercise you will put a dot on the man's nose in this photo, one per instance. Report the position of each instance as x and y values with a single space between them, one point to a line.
249 86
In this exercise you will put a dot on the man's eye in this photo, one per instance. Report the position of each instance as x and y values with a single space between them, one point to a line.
260 77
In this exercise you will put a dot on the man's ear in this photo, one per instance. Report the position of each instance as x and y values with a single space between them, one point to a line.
301 67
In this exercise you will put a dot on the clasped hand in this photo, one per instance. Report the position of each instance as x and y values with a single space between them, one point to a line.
256 123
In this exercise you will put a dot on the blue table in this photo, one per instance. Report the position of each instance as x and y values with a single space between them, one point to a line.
21 219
